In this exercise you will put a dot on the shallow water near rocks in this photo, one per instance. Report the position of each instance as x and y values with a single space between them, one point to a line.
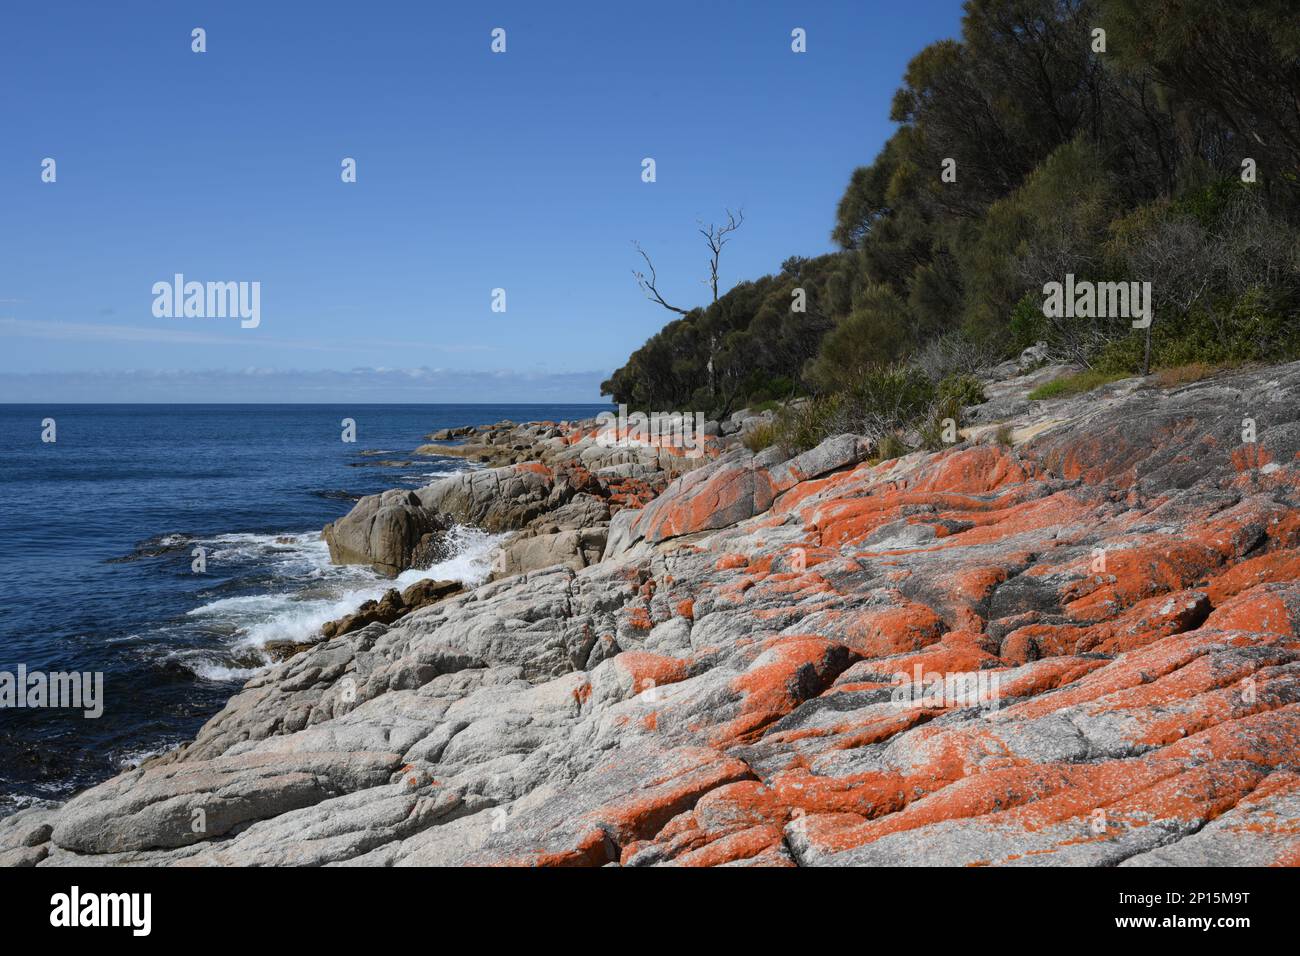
97 533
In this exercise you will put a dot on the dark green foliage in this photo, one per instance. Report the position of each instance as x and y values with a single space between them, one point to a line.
962 389
1117 166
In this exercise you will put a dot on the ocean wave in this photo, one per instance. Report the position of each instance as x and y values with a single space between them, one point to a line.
294 612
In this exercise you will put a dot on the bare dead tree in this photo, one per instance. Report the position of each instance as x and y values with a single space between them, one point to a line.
717 237
648 283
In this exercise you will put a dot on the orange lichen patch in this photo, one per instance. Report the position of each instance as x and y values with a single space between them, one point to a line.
1041 640
801 558
652 670
1093 786
742 820
1258 610
644 812
686 609
1102 457
731 492
1133 574
857 730
1266 568
794 792
797 582
734 591
1261 822
763 566
858 478
1266 738
1146 622
591 849
1136 668
1238 529
1197 795
1076 789
787 672
1019 647
891 630
536 467
978 470
741 845
730 561
1045 675
855 516
956 652
639 618
1250 456
997 525
842 522
1238 693
976 584
777 617
1283 530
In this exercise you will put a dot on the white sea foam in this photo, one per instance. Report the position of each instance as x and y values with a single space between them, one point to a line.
470 563
209 670
295 613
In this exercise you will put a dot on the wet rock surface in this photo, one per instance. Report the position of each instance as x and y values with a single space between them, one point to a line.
1080 650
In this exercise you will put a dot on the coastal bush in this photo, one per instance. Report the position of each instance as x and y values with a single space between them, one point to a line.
805 425
1125 166
1261 326
872 334
964 390
954 354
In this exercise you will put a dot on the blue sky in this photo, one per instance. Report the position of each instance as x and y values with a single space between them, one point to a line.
475 171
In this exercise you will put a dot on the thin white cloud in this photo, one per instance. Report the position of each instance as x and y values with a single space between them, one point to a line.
259 384
95 332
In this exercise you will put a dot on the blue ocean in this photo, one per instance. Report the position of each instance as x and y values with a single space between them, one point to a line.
98 535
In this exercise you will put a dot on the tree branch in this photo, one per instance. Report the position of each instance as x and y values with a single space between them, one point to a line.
647 284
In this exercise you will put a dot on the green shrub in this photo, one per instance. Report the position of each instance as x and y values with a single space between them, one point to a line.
965 390
1260 326
874 332
886 398
1028 324
805 425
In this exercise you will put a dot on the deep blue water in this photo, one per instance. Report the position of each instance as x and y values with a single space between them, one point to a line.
97 533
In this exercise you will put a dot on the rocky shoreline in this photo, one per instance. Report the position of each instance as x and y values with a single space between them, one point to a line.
701 660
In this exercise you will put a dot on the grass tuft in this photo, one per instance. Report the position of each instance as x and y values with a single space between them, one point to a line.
1075 384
